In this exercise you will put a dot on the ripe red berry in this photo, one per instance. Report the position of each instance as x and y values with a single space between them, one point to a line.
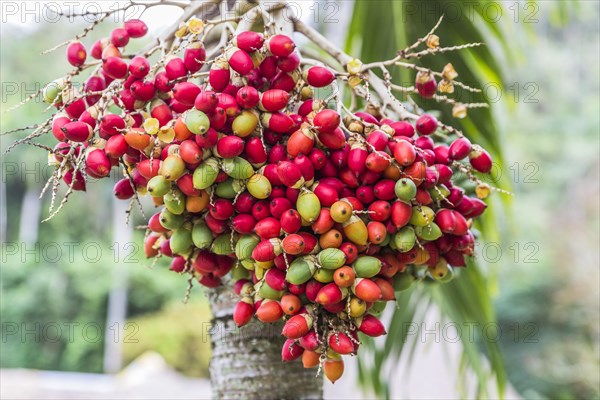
139 67
136 28
249 41
76 54
281 45
426 124
319 76
114 67
425 84
119 37
194 57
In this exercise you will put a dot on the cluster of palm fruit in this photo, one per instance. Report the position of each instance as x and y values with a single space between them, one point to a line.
314 217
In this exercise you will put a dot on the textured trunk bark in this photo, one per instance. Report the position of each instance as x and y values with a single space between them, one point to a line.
246 362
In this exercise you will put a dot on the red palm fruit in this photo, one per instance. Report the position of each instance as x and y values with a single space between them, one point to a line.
239 61
206 101
340 343
426 124
219 76
135 28
350 251
464 243
260 210
205 262
179 107
97 163
76 53
119 37
249 41
178 264
275 278
428 156
384 189
243 311
480 160
230 146
324 223
150 248
310 242
186 184
94 83
293 244
274 100
387 290
371 326
116 146
278 206
114 67
318 76
401 213
216 226
377 232
455 258
87 117
423 197
306 167
344 276
334 140
175 69
243 223
154 224
268 68
378 161
291 350
333 369
210 281
289 174
444 173
290 221
75 108
162 82
269 311
378 139
97 47
138 179
403 128
367 290
404 153
297 326
380 211
357 156
309 341
290 304
186 92
280 263
281 45
244 203
327 194
366 117
194 57
78 182
326 121
425 84
460 148
123 190
442 154
77 131
294 289
137 139
318 158
143 90
161 111
479 207
329 169
58 122
365 194
267 250
247 97
335 183
330 294
416 172
452 222
340 157
190 152
284 81
431 178
268 228
110 50
255 151
312 289
221 209
444 244
148 168
277 122
289 63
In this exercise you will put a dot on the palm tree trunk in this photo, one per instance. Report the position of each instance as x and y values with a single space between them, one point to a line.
246 362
